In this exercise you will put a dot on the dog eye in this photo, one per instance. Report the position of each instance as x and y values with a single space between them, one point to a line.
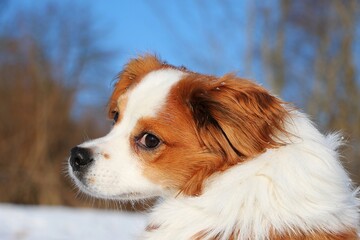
116 116
149 141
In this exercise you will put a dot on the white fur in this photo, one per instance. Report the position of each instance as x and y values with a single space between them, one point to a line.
300 186
120 176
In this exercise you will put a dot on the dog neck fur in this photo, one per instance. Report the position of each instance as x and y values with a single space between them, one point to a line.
299 188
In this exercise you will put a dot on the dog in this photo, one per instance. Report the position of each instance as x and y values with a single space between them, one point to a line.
228 159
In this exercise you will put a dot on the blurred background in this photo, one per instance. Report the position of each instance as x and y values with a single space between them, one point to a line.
59 59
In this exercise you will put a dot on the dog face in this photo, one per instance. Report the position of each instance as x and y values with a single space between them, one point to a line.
172 130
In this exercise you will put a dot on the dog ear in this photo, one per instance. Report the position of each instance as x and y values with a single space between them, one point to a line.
132 74
237 118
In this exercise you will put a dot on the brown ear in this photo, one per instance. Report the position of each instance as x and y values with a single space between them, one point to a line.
132 74
237 118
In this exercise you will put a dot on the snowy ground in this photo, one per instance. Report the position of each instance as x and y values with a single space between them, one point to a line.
60 223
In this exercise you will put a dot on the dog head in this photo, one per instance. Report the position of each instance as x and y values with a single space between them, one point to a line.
173 129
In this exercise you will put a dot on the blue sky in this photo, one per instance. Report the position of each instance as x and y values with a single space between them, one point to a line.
174 30
196 34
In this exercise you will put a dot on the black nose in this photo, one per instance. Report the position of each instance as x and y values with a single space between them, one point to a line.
80 157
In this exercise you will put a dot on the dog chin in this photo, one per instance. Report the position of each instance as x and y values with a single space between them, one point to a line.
127 196
79 180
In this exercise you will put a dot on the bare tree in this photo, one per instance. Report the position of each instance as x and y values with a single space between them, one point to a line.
52 55
310 50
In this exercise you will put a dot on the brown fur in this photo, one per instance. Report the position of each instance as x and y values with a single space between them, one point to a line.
242 114
150 228
214 124
132 74
316 235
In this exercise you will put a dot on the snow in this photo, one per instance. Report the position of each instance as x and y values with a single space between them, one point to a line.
18 222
